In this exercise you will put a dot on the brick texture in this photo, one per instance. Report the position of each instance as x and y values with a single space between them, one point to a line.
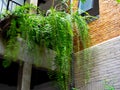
103 63
107 26
104 54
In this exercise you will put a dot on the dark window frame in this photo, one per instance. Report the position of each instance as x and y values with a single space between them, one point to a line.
14 3
93 11
8 4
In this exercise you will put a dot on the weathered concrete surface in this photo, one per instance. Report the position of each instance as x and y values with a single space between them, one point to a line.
1 47
104 64
24 55
26 77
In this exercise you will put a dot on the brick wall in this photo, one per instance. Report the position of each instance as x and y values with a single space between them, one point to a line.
108 24
104 65
104 56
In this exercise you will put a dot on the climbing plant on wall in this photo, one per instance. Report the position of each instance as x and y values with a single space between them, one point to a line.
53 31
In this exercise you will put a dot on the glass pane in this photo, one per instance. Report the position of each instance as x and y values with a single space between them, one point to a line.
12 6
85 6
19 1
3 5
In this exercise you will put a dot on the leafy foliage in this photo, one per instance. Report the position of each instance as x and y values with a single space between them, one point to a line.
108 86
83 1
118 1
54 31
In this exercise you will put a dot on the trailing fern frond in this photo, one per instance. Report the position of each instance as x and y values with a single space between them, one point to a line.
54 31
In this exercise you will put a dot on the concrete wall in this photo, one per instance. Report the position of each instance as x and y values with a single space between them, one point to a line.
105 51
104 65
45 60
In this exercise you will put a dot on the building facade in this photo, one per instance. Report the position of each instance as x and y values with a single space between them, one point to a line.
104 61
104 54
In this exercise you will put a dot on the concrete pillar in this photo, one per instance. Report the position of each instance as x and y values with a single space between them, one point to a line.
25 78
19 82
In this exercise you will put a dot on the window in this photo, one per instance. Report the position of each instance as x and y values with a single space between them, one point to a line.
85 6
3 5
13 3
90 6
10 4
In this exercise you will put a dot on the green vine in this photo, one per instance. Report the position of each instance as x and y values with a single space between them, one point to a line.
54 31
108 86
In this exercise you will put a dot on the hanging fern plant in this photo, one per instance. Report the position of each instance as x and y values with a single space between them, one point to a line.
54 31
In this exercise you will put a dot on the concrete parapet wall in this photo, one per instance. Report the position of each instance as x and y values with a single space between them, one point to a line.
46 59
104 67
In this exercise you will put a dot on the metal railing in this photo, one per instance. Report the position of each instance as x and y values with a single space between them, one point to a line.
9 5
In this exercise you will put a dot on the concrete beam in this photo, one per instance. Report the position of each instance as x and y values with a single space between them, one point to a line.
46 60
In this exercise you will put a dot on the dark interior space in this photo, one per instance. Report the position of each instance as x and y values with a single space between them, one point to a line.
8 76
41 1
45 5
39 76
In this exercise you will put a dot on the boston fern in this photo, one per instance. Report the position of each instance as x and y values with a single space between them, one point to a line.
54 31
